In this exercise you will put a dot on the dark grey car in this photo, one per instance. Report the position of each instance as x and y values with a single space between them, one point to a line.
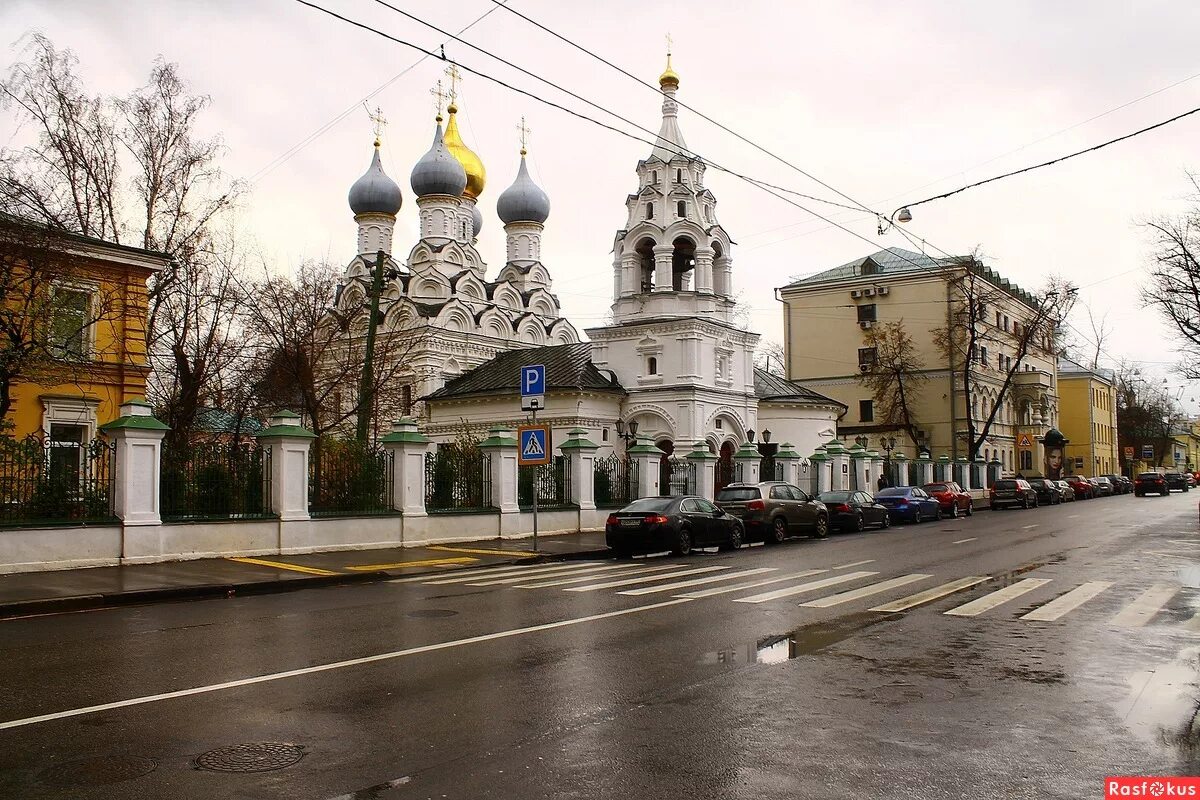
773 510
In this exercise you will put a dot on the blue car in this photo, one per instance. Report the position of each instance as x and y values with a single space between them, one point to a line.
909 504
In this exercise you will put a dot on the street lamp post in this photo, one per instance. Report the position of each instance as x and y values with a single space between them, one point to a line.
887 444
631 435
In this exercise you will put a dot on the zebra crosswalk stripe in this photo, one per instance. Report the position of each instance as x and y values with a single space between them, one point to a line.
559 581
737 587
1142 610
697 581
811 586
592 587
518 578
929 595
1068 602
997 598
535 569
866 591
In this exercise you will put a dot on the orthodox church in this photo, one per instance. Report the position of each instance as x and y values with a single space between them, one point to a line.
439 299
673 364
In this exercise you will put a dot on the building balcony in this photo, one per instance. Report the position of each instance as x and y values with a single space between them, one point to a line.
1037 379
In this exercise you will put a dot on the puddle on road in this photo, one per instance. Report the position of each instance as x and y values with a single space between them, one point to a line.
778 648
1164 706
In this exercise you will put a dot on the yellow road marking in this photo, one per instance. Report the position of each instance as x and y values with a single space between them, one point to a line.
483 552
280 565
429 562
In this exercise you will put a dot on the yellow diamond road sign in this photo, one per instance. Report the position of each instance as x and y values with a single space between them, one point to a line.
1024 440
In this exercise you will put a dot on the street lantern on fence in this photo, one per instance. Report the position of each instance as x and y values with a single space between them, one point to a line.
631 435
862 441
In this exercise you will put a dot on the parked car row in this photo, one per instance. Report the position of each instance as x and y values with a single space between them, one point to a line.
1162 483
1032 492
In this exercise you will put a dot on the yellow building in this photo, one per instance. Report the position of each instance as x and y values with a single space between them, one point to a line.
1088 418
82 305
827 318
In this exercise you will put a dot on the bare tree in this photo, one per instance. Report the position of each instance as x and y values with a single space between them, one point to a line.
1146 415
975 292
894 377
1101 331
309 358
769 357
47 325
1174 288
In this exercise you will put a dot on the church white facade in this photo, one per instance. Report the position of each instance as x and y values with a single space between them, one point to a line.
673 360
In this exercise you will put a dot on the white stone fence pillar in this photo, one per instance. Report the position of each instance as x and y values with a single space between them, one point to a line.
501 448
899 476
649 464
408 448
749 463
840 461
288 444
137 437
581 461
706 470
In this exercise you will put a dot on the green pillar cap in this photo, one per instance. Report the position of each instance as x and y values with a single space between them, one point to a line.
700 453
874 455
135 414
818 456
787 451
834 447
643 446
899 457
405 430
285 423
576 440
747 452
499 436
943 459
960 460
858 451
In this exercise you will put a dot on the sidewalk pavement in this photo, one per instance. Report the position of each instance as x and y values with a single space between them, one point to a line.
30 593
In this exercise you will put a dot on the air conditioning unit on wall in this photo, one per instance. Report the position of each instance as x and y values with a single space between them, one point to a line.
868 292
864 367
882 290
855 293
866 324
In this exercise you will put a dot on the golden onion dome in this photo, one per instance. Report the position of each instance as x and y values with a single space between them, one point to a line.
476 174
669 77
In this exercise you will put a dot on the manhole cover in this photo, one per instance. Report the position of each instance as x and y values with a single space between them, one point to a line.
98 771
251 757
431 612
907 693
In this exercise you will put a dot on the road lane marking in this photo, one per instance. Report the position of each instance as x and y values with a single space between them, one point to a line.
1072 516
724 576
523 570
592 587
1068 602
445 549
866 591
750 584
590 571
281 565
427 562
929 595
811 586
964 541
1027 527
1143 609
997 598
352 662
565 581
855 564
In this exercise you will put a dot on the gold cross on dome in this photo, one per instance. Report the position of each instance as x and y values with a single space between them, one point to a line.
670 42
378 123
455 76
439 98
525 131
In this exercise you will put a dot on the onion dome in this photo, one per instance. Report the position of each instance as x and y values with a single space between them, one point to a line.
375 192
476 221
476 174
438 171
524 201
669 76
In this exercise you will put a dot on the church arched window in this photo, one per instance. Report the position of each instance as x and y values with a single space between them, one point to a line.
683 262
654 176
645 252
681 209
649 210
652 366
679 176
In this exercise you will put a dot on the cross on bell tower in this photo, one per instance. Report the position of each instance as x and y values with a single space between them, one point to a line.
525 131
378 122
439 99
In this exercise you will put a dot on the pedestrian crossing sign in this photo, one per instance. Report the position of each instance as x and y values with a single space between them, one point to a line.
1025 441
533 445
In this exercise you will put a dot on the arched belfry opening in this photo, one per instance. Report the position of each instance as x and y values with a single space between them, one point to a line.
683 263
645 252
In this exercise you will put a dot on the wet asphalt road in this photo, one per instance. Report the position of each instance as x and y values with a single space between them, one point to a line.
414 690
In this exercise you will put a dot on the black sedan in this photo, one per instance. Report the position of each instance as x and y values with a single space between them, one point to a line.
1149 482
678 524
909 504
1176 480
1047 491
854 511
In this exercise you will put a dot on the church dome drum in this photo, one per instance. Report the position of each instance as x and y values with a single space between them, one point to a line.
524 201
438 171
476 221
375 192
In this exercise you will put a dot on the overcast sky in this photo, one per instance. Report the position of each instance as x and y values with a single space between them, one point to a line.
888 102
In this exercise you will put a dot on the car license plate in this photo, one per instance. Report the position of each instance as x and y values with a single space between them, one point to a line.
631 523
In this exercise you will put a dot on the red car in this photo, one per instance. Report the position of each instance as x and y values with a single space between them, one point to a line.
951 497
1082 488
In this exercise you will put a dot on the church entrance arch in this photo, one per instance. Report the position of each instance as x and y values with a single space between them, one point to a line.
664 466
683 262
645 253
725 465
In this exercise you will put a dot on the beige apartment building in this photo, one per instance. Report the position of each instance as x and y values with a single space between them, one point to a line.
1089 418
827 318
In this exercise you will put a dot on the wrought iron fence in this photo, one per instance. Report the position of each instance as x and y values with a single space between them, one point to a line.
770 469
725 473
48 482
915 477
457 480
215 481
551 482
349 478
678 477
614 481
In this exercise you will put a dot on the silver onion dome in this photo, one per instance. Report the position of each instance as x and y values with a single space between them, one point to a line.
476 222
524 201
375 192
438 171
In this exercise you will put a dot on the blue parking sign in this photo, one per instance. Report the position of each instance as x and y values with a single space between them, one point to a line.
533 379
533 445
